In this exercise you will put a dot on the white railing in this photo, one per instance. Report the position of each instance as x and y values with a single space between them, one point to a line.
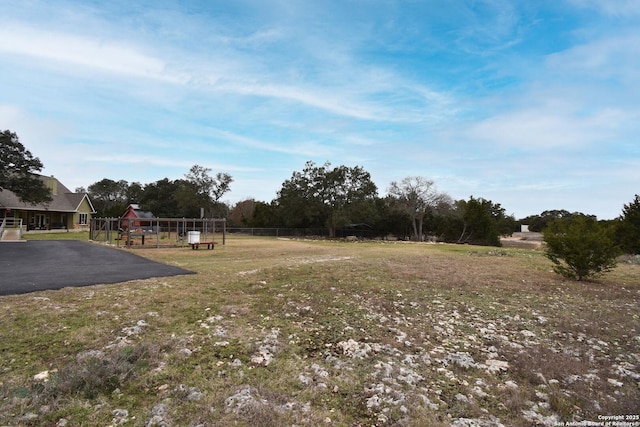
11 222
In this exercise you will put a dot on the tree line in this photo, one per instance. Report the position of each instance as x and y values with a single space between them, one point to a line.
341 199
197 193
344 200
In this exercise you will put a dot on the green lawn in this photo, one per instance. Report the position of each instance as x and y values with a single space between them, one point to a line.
70 235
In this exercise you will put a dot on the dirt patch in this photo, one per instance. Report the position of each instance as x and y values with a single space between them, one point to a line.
528 240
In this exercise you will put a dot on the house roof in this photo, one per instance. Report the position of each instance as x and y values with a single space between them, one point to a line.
63 200
135 208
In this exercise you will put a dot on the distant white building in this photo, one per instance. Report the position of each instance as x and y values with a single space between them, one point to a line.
524 228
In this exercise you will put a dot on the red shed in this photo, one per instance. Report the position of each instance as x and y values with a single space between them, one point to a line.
134 211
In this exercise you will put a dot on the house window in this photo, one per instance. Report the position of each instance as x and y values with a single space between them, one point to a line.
83 218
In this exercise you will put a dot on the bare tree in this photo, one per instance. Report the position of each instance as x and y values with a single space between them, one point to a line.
241 214
416 196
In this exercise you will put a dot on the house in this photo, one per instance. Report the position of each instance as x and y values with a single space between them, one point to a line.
134 212
66 210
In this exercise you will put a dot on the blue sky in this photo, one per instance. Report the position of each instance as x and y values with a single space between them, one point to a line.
532 104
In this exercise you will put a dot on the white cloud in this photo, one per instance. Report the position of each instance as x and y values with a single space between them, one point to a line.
534 130
10 113
178 162
300 148
237 75
306 96
392 88
106 56
324 75
37 134
616 56
611 7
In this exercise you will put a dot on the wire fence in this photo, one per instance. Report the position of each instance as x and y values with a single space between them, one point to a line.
304 232
279 231
157 232
163 232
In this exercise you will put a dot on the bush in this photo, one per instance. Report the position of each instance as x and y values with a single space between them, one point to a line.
97 374
580 247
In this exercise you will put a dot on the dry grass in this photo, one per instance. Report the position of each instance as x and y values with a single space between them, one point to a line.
289 332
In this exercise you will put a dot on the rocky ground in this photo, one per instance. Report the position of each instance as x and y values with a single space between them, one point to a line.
355 337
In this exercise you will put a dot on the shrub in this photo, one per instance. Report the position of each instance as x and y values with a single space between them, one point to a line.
95 375
580 247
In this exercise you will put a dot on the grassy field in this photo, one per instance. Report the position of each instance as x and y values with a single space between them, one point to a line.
276 332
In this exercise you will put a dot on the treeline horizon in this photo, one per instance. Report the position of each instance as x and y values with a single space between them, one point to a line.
318 196
333 198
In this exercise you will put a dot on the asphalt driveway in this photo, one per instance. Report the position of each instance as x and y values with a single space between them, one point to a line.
56 264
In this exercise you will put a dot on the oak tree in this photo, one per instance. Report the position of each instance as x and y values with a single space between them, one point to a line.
325 196
18 169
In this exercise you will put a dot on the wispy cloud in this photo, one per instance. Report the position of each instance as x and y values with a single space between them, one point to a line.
107 56
492 25
619 8
302 148
163 161
614 56
121 58
458 91
542 130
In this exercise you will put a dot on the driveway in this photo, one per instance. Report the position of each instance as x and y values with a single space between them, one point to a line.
56 264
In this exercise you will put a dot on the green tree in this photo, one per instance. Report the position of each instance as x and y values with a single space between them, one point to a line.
18 168
109 197
580 247
350 197
159 197
628 227
474 221
446 222
329 197
391 220
483 222
208 190
265 215
506 224
135 192
297 203
189 200
539 222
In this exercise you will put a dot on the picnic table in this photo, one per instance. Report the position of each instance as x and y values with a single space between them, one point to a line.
209 245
